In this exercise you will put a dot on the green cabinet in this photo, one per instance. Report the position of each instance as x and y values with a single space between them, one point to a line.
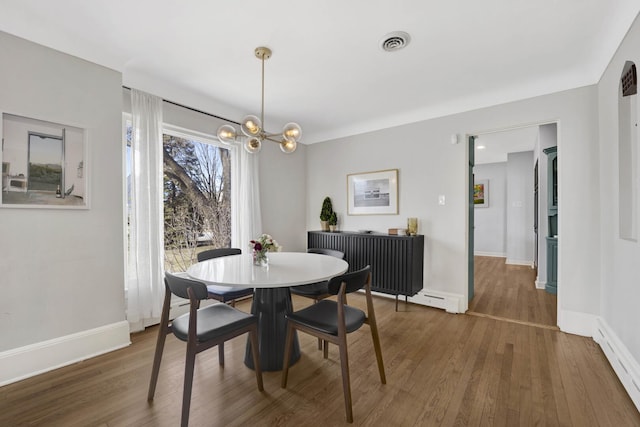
552 218
552 266
552 180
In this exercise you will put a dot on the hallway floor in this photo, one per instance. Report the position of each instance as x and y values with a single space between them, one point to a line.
508 292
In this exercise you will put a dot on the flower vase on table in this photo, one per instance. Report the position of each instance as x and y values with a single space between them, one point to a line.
260 248
260 258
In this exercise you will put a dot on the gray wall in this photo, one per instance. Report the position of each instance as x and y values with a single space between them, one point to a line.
620 276
62 271
430 166
491 222
283 179
505 227
520 236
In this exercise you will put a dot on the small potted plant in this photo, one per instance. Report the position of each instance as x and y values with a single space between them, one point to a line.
333 222
325 213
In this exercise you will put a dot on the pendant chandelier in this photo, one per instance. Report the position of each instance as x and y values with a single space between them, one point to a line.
252 127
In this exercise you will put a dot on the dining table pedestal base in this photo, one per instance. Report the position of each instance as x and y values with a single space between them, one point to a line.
270 306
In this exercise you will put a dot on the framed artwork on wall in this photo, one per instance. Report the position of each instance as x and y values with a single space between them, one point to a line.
481 193
373 193
43 164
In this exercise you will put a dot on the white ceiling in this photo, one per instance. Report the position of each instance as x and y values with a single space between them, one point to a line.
328 72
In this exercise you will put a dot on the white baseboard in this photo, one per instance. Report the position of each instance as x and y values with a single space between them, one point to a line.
528 263
491 254
24 362
511 261
621 360
577 323
540 284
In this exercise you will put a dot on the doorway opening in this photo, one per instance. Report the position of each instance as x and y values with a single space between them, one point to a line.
509 225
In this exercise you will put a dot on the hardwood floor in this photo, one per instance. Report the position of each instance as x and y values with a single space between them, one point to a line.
442 370
509 292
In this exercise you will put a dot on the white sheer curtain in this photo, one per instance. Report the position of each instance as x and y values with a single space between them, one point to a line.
247 219
145 285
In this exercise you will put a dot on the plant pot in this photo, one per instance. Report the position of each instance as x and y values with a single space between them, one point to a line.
333 228
324 225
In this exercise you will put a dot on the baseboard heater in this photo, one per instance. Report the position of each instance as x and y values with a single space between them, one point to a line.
449 303
620 359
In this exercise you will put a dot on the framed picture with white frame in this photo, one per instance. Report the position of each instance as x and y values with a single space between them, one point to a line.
44 164
373 193
481 193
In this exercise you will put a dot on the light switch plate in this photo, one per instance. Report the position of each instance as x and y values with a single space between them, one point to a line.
441 199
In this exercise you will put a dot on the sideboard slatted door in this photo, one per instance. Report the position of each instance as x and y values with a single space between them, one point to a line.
396 261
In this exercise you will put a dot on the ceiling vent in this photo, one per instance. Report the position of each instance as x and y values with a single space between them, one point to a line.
395 41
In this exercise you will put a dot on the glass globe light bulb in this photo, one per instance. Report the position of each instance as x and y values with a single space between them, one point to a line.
251 126
227 134
288 146
292 132
252 145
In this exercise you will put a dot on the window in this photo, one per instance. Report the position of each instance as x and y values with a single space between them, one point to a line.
196 196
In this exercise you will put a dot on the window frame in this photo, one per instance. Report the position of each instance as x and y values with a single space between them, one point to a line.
180 132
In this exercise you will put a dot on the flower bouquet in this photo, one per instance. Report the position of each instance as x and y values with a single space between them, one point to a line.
260 246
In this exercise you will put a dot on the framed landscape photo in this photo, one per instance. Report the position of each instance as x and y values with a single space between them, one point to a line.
44 164
481 193
373 193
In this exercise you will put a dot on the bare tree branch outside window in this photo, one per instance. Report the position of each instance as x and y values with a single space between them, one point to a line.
197 199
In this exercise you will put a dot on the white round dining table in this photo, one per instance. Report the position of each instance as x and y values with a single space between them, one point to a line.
272 298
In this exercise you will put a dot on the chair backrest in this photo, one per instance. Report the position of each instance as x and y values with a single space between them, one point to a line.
324 251
216 253
179 286
354 280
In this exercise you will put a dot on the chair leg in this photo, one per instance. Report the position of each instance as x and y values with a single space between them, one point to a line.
326 350
221 354
253 336
373 325
163 330
315 301
288 346
189 367
378 349
346 382
157 358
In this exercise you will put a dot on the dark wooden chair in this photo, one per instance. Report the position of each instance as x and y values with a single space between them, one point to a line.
331 321
317 291
201 329
224 294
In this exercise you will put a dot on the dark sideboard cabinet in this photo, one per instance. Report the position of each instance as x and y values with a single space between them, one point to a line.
396 261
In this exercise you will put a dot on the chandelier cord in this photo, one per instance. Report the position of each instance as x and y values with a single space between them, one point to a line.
262 106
